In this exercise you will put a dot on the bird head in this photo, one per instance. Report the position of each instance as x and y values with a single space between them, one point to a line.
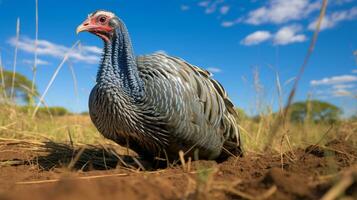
101 23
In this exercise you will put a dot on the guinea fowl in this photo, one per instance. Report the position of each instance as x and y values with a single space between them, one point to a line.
156 104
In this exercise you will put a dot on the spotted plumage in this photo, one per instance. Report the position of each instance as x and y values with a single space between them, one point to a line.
158 105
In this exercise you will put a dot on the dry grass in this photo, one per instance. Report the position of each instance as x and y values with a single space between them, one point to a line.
65 58
34 68
271 131
78 129
18 125
73 142
15 58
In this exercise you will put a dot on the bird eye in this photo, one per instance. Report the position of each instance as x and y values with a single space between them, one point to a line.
102 19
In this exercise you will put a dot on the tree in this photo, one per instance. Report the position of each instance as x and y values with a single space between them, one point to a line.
314 110
22 86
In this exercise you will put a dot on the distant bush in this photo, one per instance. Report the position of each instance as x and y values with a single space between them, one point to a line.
84 113
43 111
353 118
22 87
314 110
308 111
55 111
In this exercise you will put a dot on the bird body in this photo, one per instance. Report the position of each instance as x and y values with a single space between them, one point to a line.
158 105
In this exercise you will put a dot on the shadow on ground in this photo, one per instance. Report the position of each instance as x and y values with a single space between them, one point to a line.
49 155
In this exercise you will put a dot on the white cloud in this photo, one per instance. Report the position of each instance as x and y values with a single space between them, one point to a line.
343 86
211 9
85 54
341 93
334 18
285 35
91 49
38 62
334 80
184 7
231 23
288 34
335 92
203 3
42 62
281 11
214 69
337 86
256 38
354 71
224 9
228 24
211 6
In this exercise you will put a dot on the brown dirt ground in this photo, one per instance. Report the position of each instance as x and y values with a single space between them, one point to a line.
300 174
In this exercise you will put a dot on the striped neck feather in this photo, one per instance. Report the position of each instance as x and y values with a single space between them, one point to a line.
119 66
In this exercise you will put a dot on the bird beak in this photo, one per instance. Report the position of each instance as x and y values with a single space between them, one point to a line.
83 27
80 28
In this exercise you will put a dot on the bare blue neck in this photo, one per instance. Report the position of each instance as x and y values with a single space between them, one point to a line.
119 65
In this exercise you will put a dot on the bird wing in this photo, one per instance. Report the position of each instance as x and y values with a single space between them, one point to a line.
195 106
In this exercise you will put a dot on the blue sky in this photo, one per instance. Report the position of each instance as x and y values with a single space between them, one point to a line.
236 40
